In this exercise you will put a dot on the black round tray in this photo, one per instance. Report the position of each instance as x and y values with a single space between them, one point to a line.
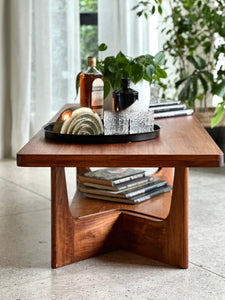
100 139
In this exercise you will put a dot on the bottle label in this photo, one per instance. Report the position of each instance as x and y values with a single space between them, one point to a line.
97 94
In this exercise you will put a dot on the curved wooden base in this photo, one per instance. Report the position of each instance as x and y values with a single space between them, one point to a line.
157 228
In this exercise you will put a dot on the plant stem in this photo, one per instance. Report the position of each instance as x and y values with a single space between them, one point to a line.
208 61
203 104
181 61
194 107
211 48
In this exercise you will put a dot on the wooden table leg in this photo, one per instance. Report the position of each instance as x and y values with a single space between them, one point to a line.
62 221
177 221
162 240
72 239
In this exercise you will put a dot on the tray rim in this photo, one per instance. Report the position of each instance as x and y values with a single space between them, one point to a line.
100 139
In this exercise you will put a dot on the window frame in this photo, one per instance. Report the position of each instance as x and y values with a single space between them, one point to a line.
88 18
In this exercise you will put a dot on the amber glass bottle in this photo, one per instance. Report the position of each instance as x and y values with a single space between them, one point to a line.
92 88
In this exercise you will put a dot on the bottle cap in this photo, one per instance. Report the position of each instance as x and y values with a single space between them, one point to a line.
91 61
125 83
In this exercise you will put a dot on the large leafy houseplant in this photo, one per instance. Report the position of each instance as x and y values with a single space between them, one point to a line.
196 42
143 67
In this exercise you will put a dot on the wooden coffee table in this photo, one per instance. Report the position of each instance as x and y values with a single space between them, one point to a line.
156 228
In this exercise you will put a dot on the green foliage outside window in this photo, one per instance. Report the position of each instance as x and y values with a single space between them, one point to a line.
88 5
88 34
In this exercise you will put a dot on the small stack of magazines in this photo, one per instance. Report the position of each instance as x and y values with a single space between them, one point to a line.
124 185
167 108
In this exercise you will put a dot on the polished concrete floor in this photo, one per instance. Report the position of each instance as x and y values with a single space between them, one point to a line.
26 274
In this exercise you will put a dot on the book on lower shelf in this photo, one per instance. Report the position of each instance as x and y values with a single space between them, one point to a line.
133 190
128 192
136 199
112 176
121 186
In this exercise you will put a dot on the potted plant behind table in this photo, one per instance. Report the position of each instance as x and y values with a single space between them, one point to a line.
145 68
195 41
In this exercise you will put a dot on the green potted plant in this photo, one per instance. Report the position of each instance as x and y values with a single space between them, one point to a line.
141 68
196 43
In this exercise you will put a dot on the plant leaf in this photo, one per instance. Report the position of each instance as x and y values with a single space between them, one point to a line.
102 47
195 86
77 83
136 73
117 84
178 83
107 87
150 71
140 13
153 10
113 68
120 54
161 73
160 9
149 59
208 75
122 61
204 83
160 58
193 61
135 7
219 89
184 93
219 114
201 62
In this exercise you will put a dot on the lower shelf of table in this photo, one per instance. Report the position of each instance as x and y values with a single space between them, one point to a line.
83 207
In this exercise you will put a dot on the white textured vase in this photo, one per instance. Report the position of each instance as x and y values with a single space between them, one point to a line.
144 93
108 101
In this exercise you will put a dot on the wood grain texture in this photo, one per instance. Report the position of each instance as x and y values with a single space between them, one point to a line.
62 221
166 241
73 240
183 142
177 221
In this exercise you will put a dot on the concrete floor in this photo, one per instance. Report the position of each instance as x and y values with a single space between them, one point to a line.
25 271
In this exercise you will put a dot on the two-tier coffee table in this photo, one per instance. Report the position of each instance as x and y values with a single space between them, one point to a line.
156 228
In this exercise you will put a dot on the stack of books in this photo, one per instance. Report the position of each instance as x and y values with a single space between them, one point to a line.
165 109
124 185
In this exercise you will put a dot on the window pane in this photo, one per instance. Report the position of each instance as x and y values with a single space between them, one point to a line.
88 33
88 43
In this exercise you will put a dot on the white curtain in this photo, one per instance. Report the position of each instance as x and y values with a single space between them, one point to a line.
56 57
39 60
122 30
20 71
5 111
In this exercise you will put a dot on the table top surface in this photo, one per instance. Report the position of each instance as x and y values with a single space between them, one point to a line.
183 142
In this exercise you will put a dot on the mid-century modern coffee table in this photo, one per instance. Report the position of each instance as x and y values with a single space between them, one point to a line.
156 228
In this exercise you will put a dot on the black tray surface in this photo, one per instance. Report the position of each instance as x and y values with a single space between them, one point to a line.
99 139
